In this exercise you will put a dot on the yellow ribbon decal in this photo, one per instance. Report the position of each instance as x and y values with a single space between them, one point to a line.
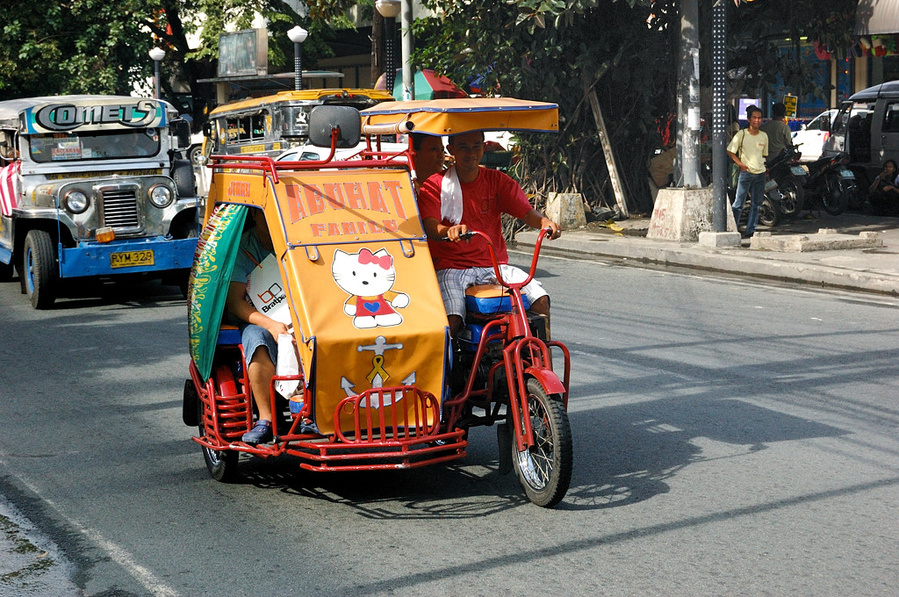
378 369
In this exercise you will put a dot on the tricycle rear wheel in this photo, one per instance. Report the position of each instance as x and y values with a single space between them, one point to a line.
222 464
544 470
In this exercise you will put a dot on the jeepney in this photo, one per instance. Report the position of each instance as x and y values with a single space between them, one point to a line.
272 124
90 185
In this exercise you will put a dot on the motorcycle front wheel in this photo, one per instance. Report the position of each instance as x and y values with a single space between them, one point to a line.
769 213
793 198
544 470
835 195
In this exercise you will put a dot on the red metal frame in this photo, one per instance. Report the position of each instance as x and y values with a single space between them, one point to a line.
370 158
385 437
513 329
390 438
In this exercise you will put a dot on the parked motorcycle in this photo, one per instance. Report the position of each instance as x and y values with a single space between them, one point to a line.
831 184
791 179
770 211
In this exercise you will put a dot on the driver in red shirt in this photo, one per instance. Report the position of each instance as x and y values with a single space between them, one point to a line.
470 197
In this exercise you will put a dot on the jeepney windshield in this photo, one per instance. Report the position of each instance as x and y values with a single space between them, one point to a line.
94 145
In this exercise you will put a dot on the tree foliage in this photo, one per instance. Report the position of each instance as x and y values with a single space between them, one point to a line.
559 51
624 50
553 50
760 32
97 46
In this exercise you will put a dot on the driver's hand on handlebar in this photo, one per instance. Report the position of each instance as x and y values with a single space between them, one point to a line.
555 231
454 233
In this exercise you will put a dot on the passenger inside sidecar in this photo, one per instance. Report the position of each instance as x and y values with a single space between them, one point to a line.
261 317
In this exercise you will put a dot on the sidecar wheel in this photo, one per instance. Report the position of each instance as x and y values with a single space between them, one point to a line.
544 471
222 464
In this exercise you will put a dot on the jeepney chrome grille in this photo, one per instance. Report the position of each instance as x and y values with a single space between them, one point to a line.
120 207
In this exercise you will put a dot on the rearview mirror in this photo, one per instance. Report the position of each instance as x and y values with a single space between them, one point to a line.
6 145
323 119
181 129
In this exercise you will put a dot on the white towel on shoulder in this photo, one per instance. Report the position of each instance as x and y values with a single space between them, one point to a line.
451 197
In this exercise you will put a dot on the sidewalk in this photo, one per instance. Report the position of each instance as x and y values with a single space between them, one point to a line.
866 269
30 563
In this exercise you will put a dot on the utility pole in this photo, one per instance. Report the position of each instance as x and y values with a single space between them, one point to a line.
720 160
408 77
688 113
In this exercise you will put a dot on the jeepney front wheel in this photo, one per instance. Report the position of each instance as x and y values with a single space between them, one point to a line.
39 270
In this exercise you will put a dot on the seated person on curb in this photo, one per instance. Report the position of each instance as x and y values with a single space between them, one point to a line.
883 194
470 197
259 332
427 157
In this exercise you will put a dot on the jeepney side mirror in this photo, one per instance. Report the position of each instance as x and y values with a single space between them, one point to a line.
323 119
181 129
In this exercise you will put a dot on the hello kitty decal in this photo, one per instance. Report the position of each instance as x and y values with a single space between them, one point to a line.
368 278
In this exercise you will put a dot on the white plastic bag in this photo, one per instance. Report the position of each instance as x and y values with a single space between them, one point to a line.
287 365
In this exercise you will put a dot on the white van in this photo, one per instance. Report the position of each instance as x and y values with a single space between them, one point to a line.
812 136
867 128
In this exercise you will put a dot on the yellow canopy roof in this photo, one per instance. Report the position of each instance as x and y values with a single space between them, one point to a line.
461 115
305 95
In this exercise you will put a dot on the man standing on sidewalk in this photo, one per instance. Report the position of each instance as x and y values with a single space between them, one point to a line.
748 149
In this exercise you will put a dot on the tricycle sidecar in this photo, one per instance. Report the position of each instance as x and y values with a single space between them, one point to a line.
375 357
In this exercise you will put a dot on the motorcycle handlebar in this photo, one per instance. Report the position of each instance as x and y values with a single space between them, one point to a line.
543 234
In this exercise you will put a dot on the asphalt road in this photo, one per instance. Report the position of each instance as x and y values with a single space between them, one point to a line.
730 439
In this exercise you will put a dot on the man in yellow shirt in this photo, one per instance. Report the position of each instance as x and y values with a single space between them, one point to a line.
748 149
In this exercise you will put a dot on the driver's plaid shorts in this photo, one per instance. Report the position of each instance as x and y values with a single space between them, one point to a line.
453 283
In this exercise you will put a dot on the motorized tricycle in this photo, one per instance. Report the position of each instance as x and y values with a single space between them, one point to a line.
381 383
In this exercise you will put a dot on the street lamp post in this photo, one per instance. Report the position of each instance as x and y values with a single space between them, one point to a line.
297 35
157 54
389 9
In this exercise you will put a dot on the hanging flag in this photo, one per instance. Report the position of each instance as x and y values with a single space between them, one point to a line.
9 188
210 278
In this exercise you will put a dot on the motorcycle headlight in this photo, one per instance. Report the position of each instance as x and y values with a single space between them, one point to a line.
76 201
161 196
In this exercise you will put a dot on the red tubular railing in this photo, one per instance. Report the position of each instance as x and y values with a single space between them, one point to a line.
390 422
